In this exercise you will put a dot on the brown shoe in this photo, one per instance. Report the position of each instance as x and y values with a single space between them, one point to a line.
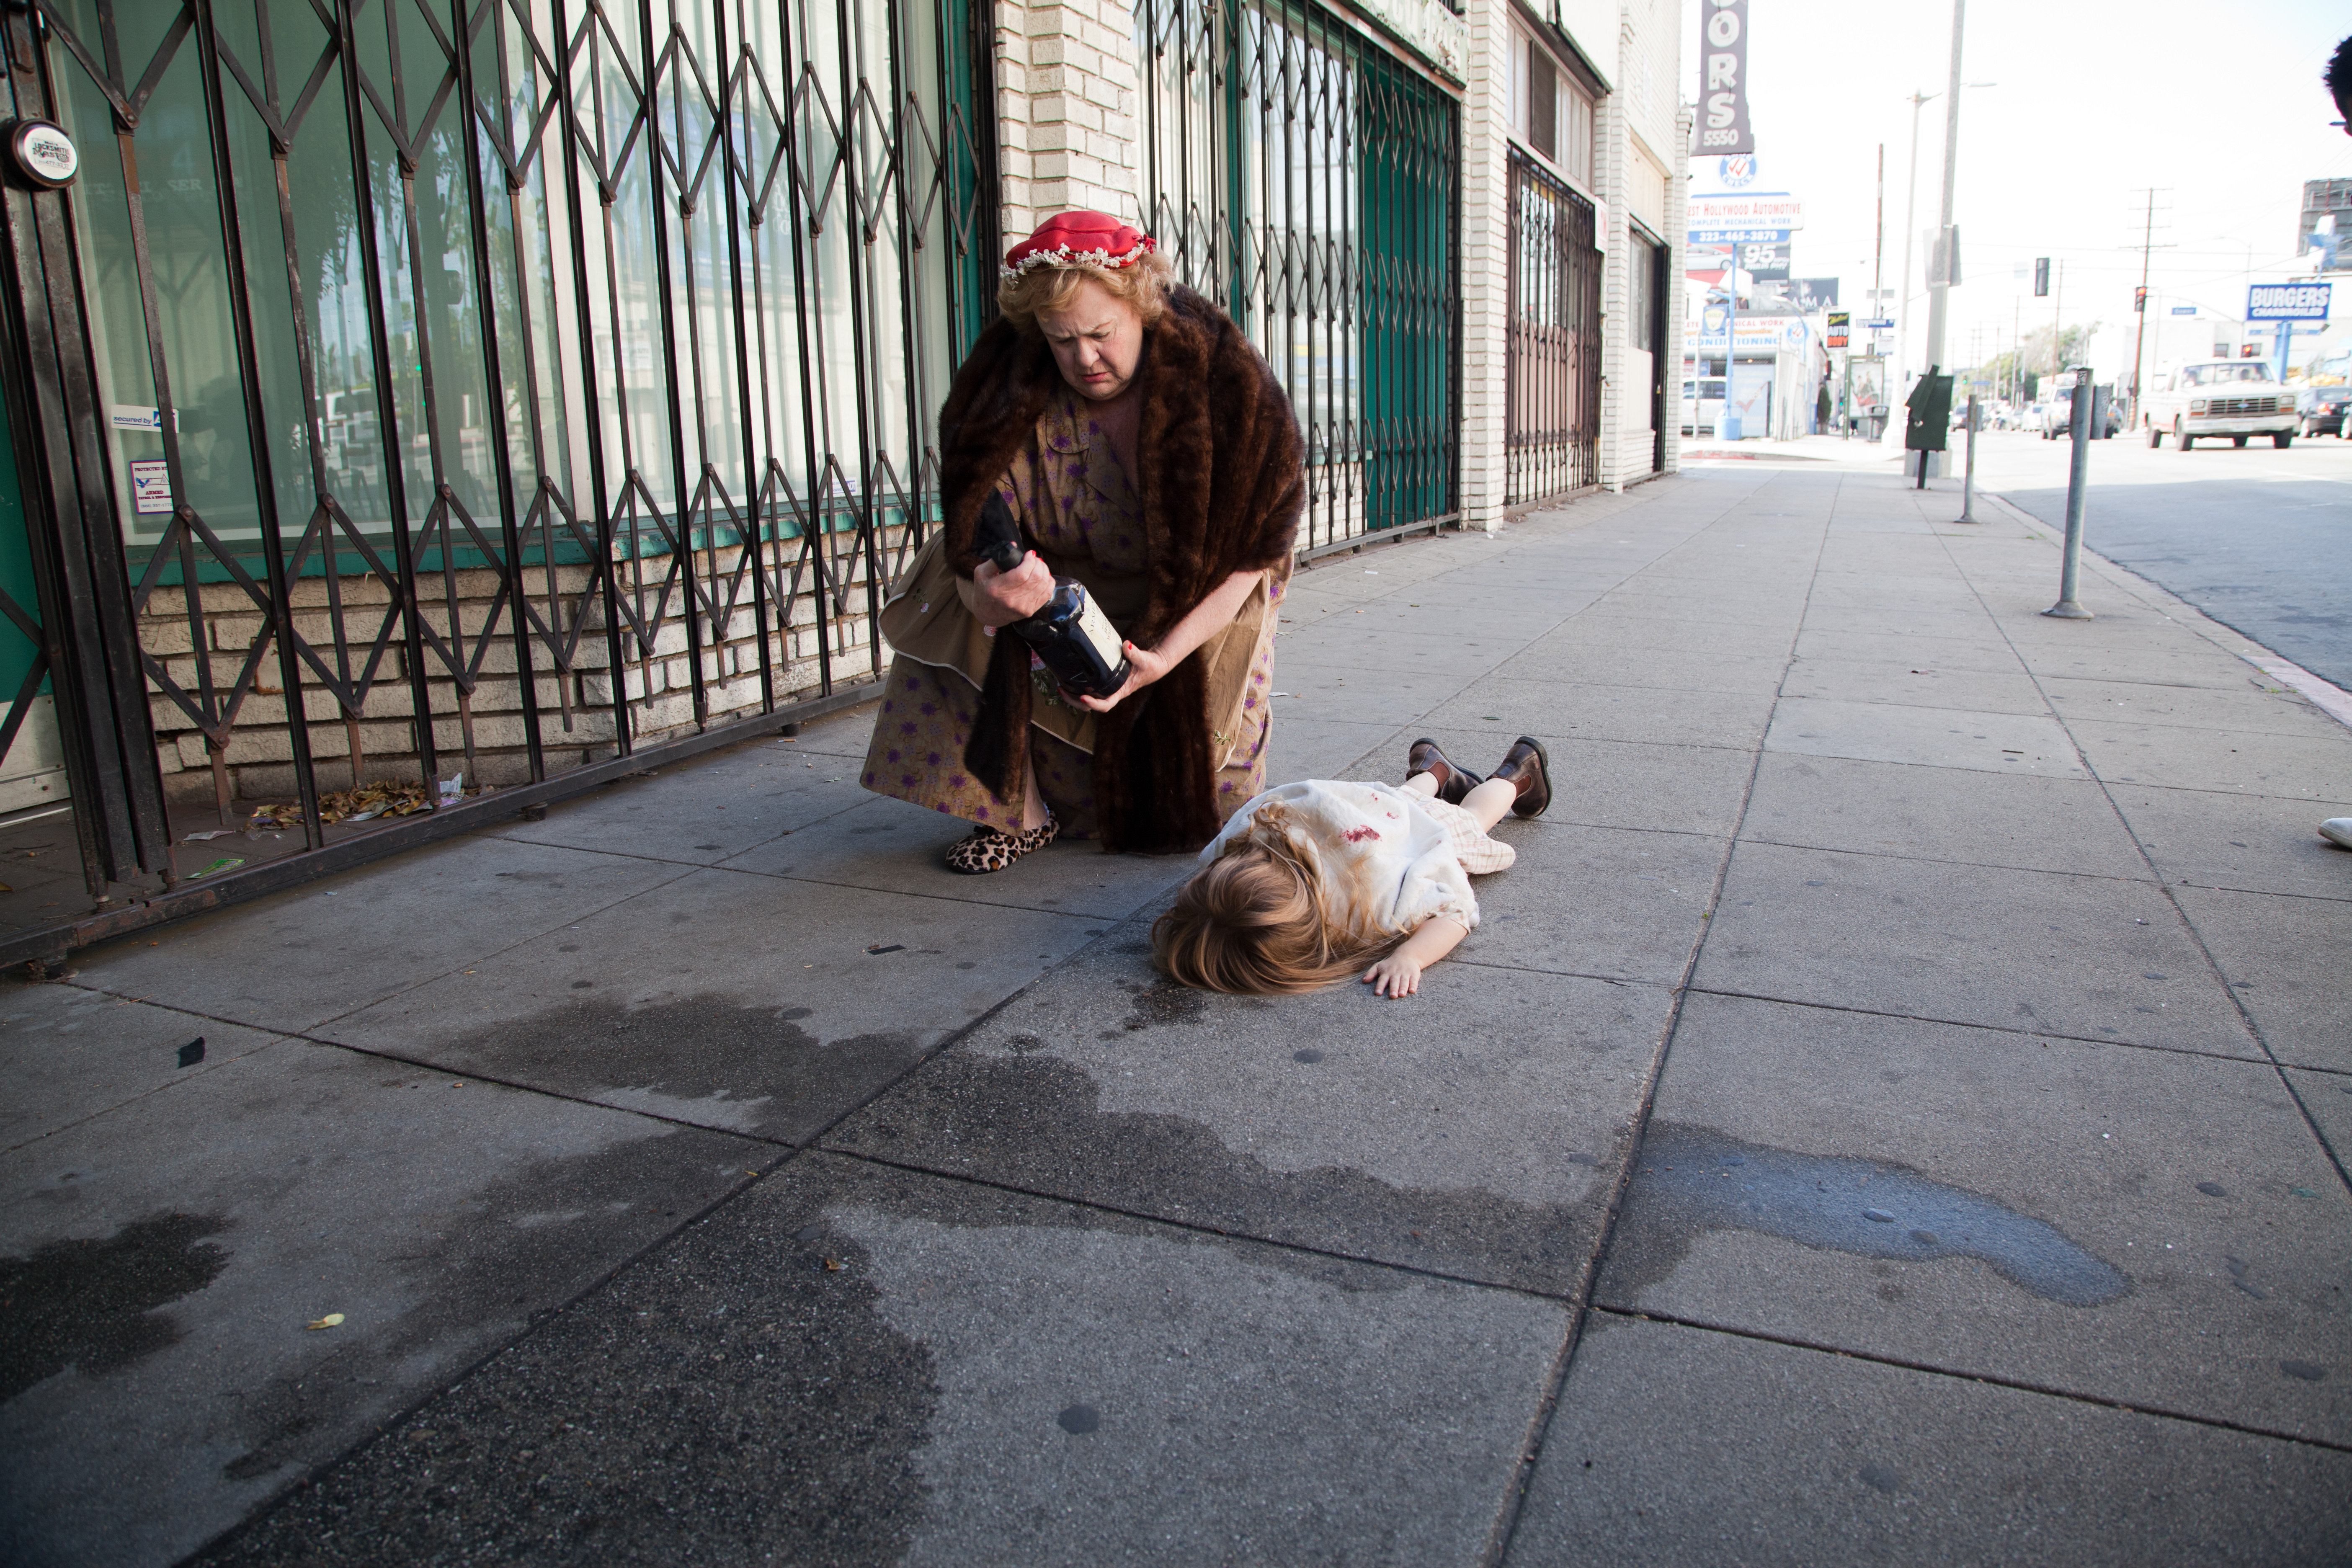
1528 767
1452 783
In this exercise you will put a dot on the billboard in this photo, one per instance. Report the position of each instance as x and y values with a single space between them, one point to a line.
2287 301
1811 294
2326 224
1767 262
1723 77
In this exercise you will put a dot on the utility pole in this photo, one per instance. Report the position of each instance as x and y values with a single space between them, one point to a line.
1910 220
1878 256
2057 313
2139 336
1939 292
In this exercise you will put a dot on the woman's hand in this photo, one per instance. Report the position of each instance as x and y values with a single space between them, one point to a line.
1001 598
1143 667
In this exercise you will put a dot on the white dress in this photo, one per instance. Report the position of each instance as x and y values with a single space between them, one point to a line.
1388 861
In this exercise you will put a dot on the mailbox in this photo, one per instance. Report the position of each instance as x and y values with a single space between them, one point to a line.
1931 413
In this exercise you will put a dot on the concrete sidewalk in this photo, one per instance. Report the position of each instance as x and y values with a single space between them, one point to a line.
1895 1110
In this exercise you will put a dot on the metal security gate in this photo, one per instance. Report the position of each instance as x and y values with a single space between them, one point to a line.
1552 353
422 397
1307 179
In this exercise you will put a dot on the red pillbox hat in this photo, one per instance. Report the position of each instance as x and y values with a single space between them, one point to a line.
1079 236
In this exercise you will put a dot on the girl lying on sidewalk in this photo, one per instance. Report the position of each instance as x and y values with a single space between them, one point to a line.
1309 881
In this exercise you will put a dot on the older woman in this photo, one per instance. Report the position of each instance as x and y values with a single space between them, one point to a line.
1147 450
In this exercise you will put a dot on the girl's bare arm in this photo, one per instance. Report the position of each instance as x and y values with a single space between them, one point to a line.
1399 974
1208 617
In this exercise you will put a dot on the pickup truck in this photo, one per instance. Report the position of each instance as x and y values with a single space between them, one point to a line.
2232 397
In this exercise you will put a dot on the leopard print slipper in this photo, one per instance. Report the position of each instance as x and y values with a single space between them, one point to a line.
987 849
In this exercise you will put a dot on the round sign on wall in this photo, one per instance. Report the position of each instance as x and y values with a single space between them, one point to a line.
42 153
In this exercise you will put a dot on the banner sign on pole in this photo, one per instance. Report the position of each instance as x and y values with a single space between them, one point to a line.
2287 301
1723 84
1835 323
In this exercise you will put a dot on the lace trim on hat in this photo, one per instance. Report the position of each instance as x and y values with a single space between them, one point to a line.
1065 255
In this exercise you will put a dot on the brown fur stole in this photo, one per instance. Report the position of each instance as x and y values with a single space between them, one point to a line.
1221 487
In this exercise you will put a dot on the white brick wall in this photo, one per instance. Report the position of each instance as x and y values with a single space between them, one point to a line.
1486 260
1678 206
1065 106
1647 50
1069 124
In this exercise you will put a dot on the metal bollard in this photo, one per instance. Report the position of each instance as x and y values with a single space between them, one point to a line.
1969 482
2077 481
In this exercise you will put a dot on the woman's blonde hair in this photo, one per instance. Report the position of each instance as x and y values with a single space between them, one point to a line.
1254 921
1143 283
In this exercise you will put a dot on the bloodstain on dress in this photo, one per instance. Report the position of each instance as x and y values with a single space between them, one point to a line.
1077 506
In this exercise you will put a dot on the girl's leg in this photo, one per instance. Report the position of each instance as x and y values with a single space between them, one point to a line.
1421 784
1490 801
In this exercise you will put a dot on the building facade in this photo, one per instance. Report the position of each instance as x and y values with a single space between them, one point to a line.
423 409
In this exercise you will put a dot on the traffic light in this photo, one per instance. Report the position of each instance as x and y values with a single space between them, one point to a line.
2042 277
2139 298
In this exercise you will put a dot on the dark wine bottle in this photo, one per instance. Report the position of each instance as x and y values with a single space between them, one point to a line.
1071 634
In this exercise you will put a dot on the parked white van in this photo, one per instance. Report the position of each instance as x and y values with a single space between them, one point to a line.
1704 411
2232 397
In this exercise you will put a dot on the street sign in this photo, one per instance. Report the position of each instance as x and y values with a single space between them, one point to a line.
2184 310
1881 324
2287 301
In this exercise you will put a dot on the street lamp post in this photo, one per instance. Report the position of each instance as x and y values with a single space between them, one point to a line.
1940 287
1910 215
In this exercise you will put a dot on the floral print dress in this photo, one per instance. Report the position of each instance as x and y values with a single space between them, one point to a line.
1079 509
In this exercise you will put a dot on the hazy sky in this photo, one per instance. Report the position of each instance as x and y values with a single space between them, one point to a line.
2219 107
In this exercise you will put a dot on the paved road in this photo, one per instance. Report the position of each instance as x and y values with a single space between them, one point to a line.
2258 539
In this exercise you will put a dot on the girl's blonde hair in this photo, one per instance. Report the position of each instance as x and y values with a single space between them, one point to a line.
1142 283
1255 922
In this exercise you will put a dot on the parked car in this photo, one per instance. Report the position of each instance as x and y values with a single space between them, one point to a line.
2058 414
2233 397
1702 413
2319 410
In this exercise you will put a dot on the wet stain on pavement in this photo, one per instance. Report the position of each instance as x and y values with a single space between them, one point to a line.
1162 1002
1690 1180
92 1305
1034 1122
484 1269
702 1059
739 1402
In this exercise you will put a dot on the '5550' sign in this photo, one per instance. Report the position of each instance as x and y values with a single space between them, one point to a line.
1723 78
